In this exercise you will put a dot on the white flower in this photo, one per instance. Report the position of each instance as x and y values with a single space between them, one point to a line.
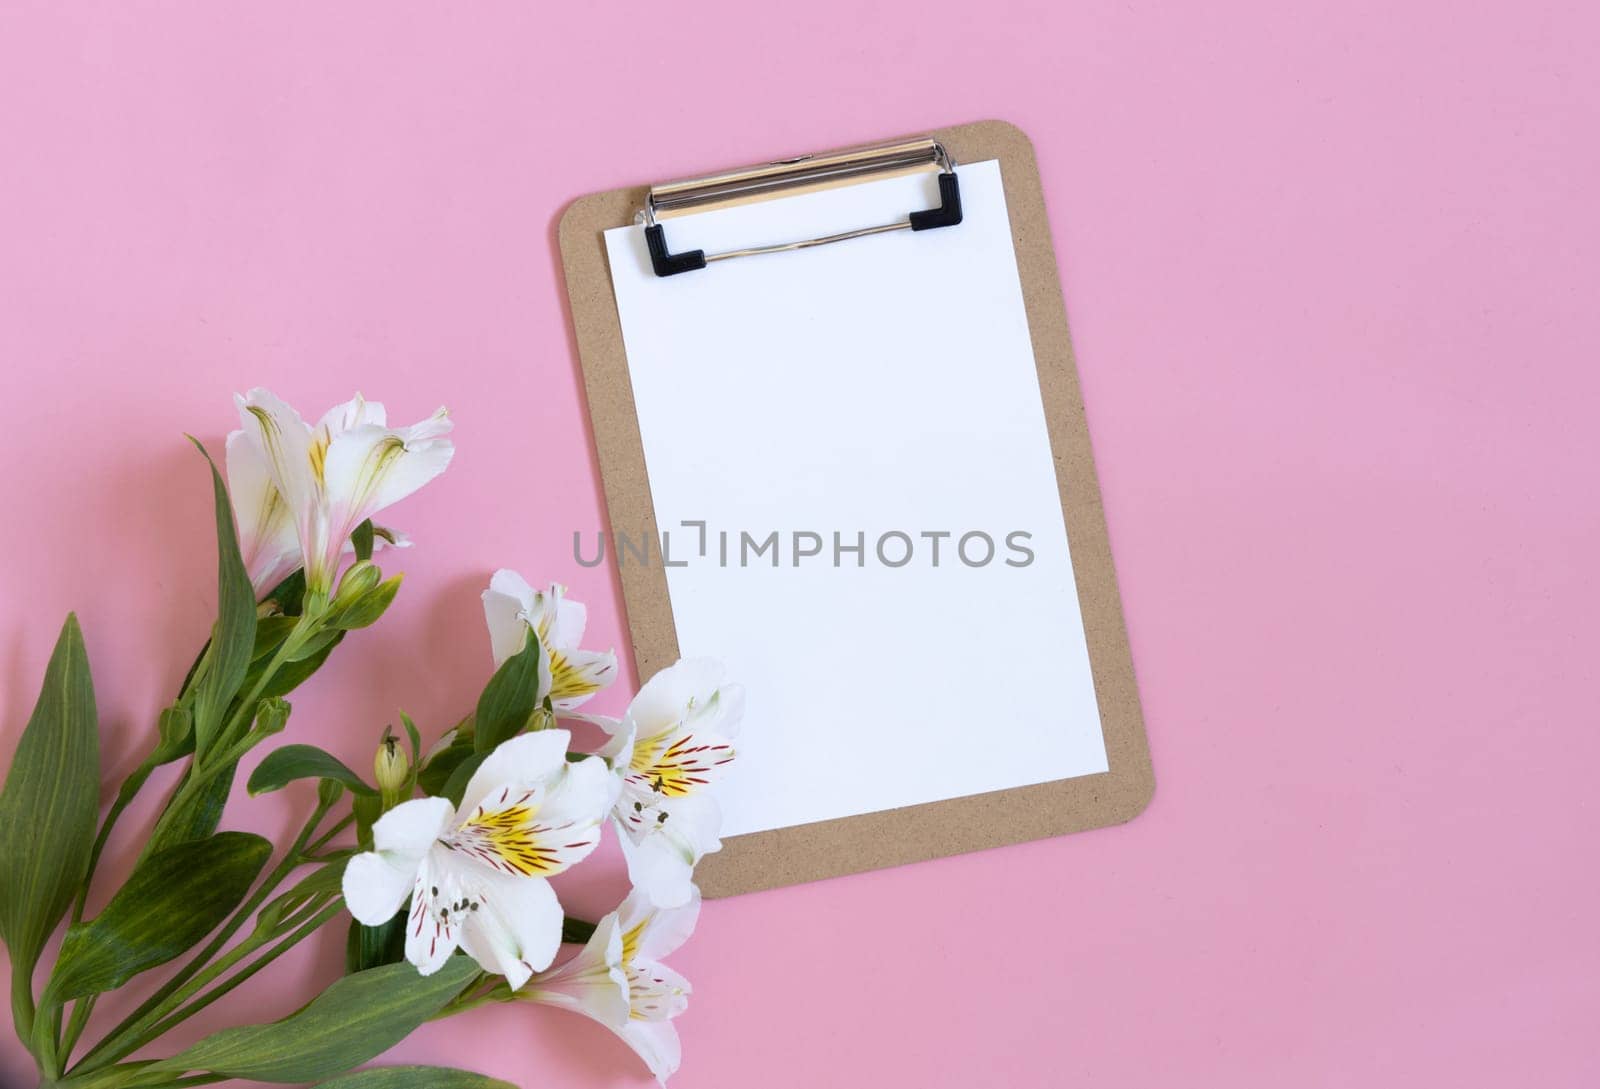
511 606
673 742
327 480
268 540
476 874
618 978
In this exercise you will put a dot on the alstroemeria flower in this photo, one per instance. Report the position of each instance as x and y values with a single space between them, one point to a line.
673 742
268 541
331 478
477 874
511 607
618 978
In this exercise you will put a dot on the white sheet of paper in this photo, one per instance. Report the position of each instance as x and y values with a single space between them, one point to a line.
877 385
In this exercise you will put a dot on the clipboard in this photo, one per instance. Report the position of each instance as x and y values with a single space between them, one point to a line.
912 833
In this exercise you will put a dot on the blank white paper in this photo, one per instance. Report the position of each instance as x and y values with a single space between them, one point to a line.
877 386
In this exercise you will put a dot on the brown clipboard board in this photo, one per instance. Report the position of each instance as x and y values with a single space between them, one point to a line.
788 856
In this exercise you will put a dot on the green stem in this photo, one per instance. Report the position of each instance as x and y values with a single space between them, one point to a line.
136 1076
84 1007
81 1009
22 1008
175 990
183 1013
322 841
239 724
466 1000
130 787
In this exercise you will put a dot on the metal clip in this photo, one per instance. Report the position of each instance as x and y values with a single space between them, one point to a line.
807 173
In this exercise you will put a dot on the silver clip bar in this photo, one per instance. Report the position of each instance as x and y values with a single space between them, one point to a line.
788 177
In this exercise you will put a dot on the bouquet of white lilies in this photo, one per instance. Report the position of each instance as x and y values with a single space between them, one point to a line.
443 859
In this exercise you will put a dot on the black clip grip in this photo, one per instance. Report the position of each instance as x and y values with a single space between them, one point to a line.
664 261
948 214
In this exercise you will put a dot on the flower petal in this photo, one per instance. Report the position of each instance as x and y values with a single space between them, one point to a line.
505 602
375 887
368 468
592 983
618 749
525 761
667 697
575 675
516 930
682 760
410 828
571 618
656 1042
352 414
656 992
545 610
267 539
430 936
537 831
285 442
659 870
651 932
581 795
376 883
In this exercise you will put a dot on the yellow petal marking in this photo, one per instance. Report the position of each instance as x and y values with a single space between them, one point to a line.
630 942
508 840
566 679
679 768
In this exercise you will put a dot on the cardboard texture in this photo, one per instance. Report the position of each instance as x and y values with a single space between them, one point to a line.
788 856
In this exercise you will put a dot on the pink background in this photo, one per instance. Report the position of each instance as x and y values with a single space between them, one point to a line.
1332 276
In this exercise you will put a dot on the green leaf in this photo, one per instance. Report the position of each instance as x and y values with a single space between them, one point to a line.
283 766
324 882
576 931
313 646
365 610
173 899
291 674
362 539
456 787
195 818
194 668
373 946
512 695
234 639
290 593
414 1077
414 735
271 631
367 809
356 1019
436 773
48 810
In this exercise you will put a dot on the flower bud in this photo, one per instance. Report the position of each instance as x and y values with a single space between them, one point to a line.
272 714
393 770
176 727
362 577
